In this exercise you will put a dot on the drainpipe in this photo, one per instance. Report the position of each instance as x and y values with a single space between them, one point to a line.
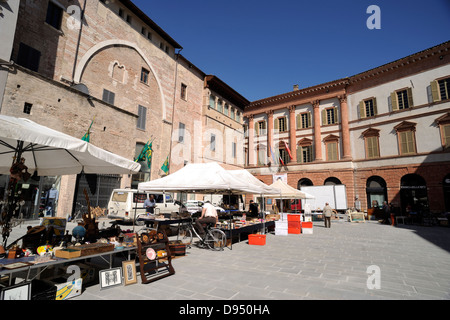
78 41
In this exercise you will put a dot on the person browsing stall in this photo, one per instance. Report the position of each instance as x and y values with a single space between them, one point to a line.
327 212
209 215
150 204
253 210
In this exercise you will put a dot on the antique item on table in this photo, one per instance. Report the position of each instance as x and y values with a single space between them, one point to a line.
150 253
93 248
129 272
67 253
79 231
19 292
2 252
91 226
16 265
46 249
110 278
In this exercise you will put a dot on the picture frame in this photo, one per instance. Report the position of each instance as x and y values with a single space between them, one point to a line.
129 272
17 292
110 278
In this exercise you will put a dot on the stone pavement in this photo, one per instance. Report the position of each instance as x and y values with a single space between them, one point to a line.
411 263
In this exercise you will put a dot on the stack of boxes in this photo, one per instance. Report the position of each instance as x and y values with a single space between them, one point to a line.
307 227
294 224
281 228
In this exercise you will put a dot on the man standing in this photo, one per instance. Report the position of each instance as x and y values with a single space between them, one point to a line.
150 204
253 210
327 212
209 215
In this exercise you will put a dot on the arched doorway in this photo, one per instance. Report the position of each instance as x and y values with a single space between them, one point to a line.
305 182
413 195
376 192
446 186
332 181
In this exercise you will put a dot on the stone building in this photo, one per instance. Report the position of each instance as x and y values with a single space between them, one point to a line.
71 64
383 133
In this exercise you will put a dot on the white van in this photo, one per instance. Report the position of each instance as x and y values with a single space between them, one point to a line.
125 204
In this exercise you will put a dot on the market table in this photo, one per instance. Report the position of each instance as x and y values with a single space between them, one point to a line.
28 266
161 222
248 229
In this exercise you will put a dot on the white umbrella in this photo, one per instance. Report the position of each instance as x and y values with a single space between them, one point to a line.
48 152
51 153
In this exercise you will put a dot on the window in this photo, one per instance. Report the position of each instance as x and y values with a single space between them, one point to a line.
371 140
108 96
401 99
332 151
304 120
284 156
368 108
305 151
212 145
261 128
232 114
238 116
219 105
440 89
233 149
181 128
444 125
183 91
226 110
332 147
27 108
142 117
406 137
262 155
128 18
329 116
144 75
54 15
28 57
121 13
281 124
212 101
143 31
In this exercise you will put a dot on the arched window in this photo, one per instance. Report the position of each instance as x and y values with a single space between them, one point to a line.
376 191
305 182
332 181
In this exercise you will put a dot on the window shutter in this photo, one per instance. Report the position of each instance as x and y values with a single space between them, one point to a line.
286 124
299 121
394 101
276 124
309 120
447 136
362 110
435 90
324 117
299 154
410 98
375 107
257 129
336 119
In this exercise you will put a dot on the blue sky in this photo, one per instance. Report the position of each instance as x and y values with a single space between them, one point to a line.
262 48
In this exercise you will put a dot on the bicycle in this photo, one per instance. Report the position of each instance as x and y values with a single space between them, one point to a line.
214 239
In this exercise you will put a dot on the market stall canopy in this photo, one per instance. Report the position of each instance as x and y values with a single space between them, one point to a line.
203 178
287 192
49 152
250 179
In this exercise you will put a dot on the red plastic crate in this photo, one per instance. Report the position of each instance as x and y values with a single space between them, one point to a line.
294 217
307 225
294 230
257 239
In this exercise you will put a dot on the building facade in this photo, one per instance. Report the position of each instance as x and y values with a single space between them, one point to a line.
382 133
104 65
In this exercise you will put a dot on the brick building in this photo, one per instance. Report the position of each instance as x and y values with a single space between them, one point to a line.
68 64
383 133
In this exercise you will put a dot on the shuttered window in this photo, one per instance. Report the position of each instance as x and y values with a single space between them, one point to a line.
368 108
304 120
401 100
332 151
281 124
304 154
108 96
142 119
212 101
446 131
372 149
407 142
329 116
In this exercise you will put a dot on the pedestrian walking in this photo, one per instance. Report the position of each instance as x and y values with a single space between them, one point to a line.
327 212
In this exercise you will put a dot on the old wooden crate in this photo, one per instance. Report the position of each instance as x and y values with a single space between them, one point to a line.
93 248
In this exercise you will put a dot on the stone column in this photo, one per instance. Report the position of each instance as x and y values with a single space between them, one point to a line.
251 141
292 134
269 132
317 132
346 149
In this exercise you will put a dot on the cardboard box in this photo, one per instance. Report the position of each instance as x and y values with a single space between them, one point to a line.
67 253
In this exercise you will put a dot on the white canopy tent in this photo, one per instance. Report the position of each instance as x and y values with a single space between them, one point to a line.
204 178
53 153
287 192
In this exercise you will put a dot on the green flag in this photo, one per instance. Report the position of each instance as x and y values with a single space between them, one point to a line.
146 154
165 166
87 136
